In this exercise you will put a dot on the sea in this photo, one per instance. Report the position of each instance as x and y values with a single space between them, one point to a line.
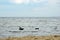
31 26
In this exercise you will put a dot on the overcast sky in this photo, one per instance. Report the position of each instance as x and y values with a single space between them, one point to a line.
29 8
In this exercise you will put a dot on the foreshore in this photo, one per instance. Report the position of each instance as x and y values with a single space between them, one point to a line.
50 37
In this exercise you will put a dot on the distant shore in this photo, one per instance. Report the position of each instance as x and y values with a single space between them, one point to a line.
50 37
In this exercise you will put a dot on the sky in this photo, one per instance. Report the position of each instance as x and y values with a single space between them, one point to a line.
29 8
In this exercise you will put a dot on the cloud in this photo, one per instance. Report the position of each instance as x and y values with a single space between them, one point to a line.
26 1
40 10
17 1
52 2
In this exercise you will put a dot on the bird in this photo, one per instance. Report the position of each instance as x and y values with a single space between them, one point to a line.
20 28
36 28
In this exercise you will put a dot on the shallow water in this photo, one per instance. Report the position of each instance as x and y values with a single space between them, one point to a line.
47 26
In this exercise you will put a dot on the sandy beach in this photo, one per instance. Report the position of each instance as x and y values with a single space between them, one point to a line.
51 37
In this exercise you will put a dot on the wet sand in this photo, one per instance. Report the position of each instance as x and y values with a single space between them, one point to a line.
54 37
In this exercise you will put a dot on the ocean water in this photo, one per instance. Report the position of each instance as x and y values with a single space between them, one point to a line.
9 26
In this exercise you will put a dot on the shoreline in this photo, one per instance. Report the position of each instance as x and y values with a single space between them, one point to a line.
49 37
